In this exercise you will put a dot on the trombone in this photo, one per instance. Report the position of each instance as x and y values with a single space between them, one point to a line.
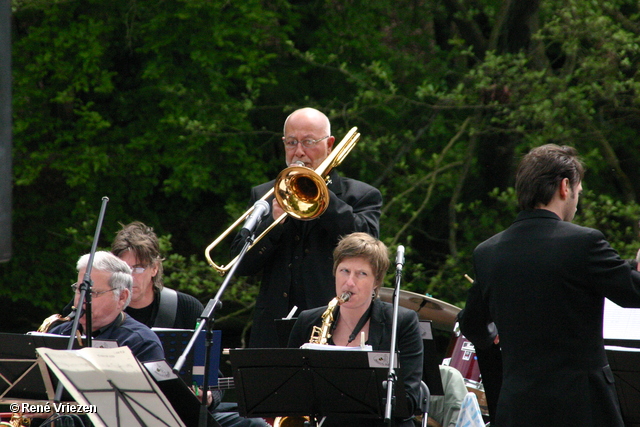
301 191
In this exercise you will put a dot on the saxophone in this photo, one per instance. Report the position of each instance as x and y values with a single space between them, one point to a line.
18 420
319 335
51 321
56 319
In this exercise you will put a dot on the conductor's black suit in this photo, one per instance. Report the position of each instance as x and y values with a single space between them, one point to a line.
543 282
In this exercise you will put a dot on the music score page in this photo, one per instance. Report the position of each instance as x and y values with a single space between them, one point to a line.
620 323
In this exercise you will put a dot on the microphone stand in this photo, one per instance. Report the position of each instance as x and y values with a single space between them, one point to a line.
391 376
85 295
206 319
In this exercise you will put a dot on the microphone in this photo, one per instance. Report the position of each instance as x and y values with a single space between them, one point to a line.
400 257
260 210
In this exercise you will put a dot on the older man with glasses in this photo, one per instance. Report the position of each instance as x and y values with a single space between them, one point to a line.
295 258
110 294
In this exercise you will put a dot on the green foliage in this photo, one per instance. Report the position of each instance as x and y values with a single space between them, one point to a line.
130 100
616 219
174 110
196 277
479 220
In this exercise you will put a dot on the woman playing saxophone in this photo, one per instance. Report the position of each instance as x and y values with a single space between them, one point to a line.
360 264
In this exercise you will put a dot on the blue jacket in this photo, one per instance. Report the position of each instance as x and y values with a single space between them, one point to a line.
142 341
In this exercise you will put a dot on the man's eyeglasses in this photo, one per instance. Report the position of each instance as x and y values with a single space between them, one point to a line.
290 144
138 270
94 294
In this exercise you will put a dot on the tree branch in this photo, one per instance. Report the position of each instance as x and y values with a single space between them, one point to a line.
433 177
457 191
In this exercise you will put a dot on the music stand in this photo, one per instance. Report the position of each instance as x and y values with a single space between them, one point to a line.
20 377
178 393
283 329
430 366
313 383
625 364
174 341
113 383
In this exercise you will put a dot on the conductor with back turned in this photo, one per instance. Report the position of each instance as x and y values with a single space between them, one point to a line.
543 282
295 257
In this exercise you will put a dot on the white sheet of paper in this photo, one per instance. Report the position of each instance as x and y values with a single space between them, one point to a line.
620 322
92 375
313 346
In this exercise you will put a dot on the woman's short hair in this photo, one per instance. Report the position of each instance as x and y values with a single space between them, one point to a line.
364 246
121 277
143 242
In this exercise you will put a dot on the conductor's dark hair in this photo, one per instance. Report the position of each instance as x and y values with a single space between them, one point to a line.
541 171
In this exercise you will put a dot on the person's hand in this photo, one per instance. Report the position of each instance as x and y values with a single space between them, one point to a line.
276 209
198 394
638 260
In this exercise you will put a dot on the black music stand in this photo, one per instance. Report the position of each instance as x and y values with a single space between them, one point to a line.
625 364
283 328
315 383
430 366
185 403
20 376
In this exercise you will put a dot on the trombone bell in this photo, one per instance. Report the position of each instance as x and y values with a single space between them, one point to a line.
301 192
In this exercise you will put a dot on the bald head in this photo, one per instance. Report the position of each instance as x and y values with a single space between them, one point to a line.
311 116
307 124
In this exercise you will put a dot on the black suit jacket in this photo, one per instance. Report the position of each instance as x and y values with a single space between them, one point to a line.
296 257
543 282
409 345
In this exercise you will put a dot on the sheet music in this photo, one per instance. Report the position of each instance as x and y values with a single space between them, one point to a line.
620 322
313 346
90 369
99 376
618 348
94 343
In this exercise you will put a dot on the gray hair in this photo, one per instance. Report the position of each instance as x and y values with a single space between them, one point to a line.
121 277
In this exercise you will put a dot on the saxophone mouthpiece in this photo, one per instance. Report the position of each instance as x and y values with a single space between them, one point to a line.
344 297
